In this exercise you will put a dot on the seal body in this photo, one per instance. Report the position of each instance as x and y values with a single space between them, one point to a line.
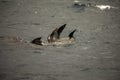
62 41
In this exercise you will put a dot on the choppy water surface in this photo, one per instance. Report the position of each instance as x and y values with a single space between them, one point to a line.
94 56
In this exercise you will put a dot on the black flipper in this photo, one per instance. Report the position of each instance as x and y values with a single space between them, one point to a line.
56 34
60 30
37 41
71 34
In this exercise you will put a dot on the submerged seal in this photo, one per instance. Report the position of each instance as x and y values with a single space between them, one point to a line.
54 38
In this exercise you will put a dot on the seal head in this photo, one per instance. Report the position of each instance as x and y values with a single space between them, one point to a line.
37 41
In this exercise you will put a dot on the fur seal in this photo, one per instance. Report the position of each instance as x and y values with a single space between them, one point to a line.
54 38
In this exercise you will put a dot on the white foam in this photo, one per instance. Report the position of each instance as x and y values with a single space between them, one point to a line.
104 7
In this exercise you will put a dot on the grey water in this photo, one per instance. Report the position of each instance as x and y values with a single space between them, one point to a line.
94 56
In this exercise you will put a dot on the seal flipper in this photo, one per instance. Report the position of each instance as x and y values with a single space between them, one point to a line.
60 30
55 34
37 41
71 34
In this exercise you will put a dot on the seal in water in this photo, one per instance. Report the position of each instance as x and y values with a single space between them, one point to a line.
54 38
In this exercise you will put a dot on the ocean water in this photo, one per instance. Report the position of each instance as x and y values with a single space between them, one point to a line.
94 56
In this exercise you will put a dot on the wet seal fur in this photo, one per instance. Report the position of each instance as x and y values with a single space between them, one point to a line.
54 38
